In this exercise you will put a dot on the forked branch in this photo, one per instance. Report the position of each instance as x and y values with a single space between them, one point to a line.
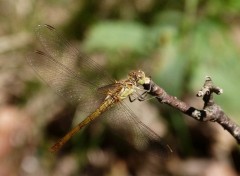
210 112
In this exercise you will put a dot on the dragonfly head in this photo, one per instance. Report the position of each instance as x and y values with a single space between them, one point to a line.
139 77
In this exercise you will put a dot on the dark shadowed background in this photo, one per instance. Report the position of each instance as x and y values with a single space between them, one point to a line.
178 43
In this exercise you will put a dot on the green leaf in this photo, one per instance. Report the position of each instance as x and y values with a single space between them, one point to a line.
117 36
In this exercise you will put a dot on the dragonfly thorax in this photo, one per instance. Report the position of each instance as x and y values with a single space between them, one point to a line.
127 89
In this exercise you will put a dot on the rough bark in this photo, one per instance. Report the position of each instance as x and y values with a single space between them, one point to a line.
210 112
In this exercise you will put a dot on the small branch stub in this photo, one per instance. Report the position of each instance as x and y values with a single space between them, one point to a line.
207 90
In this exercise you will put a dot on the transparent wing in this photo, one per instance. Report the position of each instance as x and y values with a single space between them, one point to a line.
63 52
59 77
72 75
123 120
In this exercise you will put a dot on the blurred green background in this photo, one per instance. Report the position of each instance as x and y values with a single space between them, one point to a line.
178 43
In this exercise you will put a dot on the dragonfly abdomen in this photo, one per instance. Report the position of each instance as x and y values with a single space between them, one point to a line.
102 108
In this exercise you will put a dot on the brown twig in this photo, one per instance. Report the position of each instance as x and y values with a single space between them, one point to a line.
210 112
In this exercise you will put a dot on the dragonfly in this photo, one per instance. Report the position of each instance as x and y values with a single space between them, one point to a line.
84 83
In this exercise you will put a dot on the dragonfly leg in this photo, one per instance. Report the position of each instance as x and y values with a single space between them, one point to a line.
143 96
139 97
132 98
